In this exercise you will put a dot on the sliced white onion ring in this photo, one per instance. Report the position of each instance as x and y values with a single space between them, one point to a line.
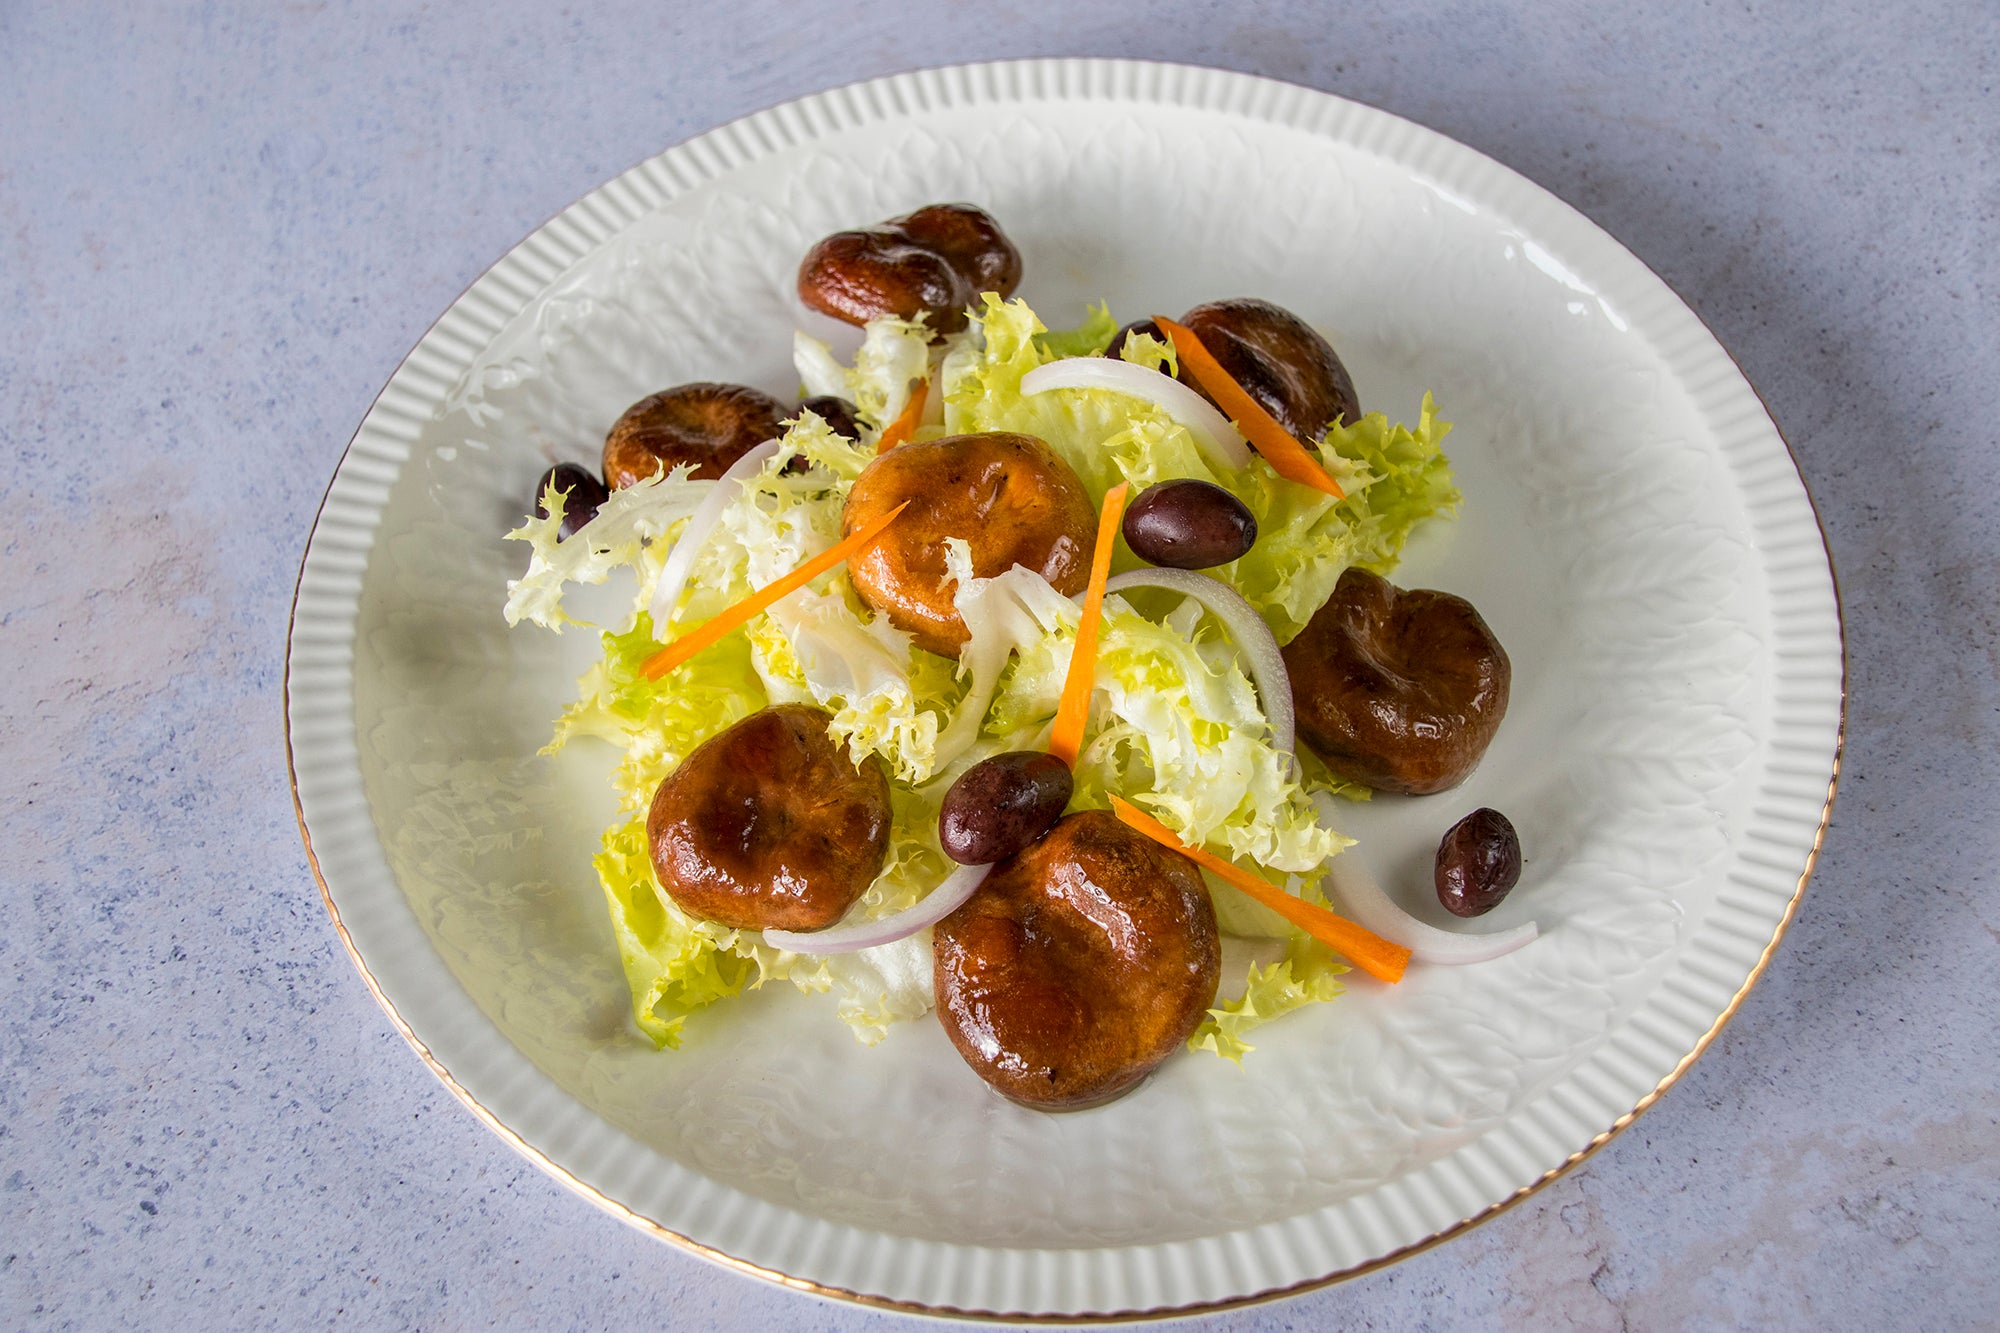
680 561
1368 904
1253 637
942 902
1219 441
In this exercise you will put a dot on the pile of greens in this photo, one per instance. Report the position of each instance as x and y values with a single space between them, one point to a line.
1176 726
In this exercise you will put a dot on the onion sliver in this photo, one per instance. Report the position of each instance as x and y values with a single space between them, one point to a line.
1253 637
680 561
1367 903
942 902
1219 441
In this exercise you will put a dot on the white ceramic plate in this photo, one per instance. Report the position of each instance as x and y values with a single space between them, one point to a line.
1634 529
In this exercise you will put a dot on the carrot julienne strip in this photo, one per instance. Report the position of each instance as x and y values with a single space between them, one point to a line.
710 632
906 422
1073 710
1370 952
1286 455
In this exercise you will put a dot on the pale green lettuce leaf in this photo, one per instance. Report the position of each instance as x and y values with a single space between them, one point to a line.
1309 973
1086 339
858 668
776 665
1403 478
893 353
1175 731
625 533
982 392
819 645
1143 349
1304 544
1315 776
810 438
1013 612
1189 741
1395 475
777 522
1241 916
674 963
873 989
658 723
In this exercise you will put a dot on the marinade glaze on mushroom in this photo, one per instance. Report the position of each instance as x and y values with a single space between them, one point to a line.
1278 358
1009 497
1400 690
707 425
770 824
1281 361
1080 964
934 262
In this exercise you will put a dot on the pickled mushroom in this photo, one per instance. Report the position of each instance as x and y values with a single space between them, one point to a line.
1279 360
934 262
1081 964
1009 497
770 824
707 426
1400 690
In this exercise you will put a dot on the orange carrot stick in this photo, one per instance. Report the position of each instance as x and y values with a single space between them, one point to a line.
1066 736
1286 455
906 422
1369 951
710 632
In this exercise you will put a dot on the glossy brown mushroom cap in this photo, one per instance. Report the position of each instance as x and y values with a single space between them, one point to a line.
1009 497
770 824
1281 361
707 425
1079 965
935 262
1400 690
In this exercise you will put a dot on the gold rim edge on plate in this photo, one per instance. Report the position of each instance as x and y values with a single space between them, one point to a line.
626 1214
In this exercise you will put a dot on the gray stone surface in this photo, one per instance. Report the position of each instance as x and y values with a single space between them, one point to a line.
221 227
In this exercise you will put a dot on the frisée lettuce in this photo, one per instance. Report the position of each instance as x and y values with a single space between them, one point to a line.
1394 475
1175 725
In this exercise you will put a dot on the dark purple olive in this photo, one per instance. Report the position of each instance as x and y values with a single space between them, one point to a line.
1189 524
586 493
1000 806
836 412
1477 862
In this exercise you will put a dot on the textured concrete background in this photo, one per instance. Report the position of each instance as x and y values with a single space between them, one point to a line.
222 226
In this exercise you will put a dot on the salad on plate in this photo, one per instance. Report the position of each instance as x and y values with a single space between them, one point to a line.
1015 674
